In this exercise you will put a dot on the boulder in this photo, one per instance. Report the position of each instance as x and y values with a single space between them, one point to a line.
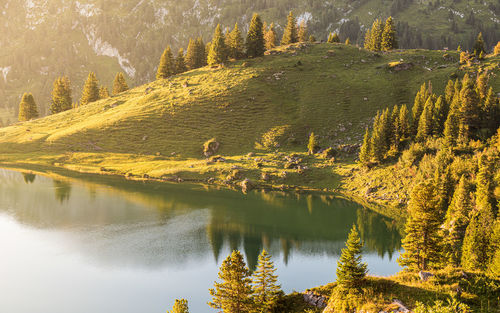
315 300
210 147
424 276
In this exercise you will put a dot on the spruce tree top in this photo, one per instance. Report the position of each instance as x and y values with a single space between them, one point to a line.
90 90
180 306
27 108
218 49
255 38
290 34
351 271
119 84
166 68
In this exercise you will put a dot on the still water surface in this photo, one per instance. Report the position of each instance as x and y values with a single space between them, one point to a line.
98 244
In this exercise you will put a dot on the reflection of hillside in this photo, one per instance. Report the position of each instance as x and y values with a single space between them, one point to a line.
152 224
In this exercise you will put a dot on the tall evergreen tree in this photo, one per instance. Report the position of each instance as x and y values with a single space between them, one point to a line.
457 219
425 122
235 43
255 38
496 50
290 35
180 62
61 95
234 293
418 106
479 45
449 92
451 129
389 41
191 55
368 40
333 38
166 68
482 84
365 150
103 92
266 290
439 116
376 35
490 112
404 122
351 271
119 84
469 110
90 90
312 145
218 49
396 129
378 144
201 52
422 241
270 37
180 306
27 108
302 32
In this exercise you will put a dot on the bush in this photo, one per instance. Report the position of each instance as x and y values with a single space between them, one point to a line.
210 147
453 306
273 138
413 155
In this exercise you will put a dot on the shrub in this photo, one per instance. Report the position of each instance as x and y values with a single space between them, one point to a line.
273 138
413 155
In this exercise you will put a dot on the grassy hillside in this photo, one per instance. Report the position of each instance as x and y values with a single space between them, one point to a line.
157 130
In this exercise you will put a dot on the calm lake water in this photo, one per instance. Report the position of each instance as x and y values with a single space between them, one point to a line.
97 244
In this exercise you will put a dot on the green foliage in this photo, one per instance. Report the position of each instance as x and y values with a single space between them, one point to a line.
180 306
469 110
27 108
351 271
425 122
192 55
218 49
61 95
365 150
180 62
422 242
373 37
333 37
266 291
479 45
119 84
234 293
90 91
290 34
166 68
103 92
302 32
255 38
453 306
235 43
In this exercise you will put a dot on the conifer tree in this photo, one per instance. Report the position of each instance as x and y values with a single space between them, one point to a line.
365 150
389 41
119 84
234 293
482 84
396 129
351 271
180 62
496 50
479 45
290 35
425 121
439 116
312 145
494 266
368 40
218 49
404 122
490 112
167 65
422 241
418 106
378 147
376 35
235 43
103 92
255 38
27 108
451 129
191 55
302 32
180 306
265 287
347 41
270 37
90 90
449 92
457 219
469 110
61 95
333 38
201 52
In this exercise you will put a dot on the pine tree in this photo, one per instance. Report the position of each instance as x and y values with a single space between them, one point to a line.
180 62
389 40
302 32
119 84
496 50
490 112
235 43
365 150
451 129
90 91
368 40
265 287
218 49
469 110
27 108
479 45
347 41
418 106
180 306
191 55
494 266
61 95
449 92
333 38
103 92
351 271
425 122
422 241
234 293
439 116
396 129
255 38
482 84
290 34
270 37
376 35
444 189
312 146
378 147
457 219
404 122
167 65
201 52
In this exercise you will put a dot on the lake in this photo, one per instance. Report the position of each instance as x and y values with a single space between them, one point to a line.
101 244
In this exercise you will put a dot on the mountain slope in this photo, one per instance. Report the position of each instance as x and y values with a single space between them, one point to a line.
42 39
